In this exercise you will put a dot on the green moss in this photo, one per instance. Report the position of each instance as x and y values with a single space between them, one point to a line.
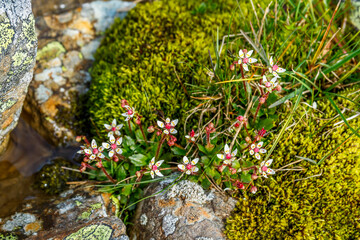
8 237
138 57
50 51
52 178
323 206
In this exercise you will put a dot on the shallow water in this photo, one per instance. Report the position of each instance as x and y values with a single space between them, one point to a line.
26 154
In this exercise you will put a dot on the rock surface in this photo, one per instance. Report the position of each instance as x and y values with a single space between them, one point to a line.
186 211
74 214
67 42
18 44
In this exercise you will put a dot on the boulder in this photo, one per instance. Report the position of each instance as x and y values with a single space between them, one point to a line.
67 42
18 45
185 211
78 213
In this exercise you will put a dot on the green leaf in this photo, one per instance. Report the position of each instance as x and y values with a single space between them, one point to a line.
178 151
205 160
205 183
211 172
128 141
121 172
246 177
236 164
126 191
289 96
138 160
202 148
139 135
341 62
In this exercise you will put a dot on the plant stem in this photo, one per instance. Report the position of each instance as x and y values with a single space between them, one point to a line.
107 175
129 126
143 133
242 75
257 111
247 131
159 146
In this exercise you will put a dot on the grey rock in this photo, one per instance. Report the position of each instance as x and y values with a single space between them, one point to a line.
186 211
18 45
42 94
89 49
18 220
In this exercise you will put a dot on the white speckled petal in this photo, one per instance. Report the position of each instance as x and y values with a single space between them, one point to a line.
181 167
166 131
92 157
253 146
226 149
100 155
157 172
251 152
228 162
113 124
252 60
167 120
194 161
257 156
160 124
87 151
93 144
271 61
194 169
111 153
280 70
188 172
107 126
173 131
249 53
185 160
117 133
118 151
174 122
152 174
268 162
245 66
118 127
241 53
112 139
80 152
259 145
152 161
158 164
233 154
270 171
106 145
119 141
221 156
264 174
262 150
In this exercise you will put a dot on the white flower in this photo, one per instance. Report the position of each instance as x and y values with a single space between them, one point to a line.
94 151
191 136
130 113
228 157
269 85
245 58
257 149
264 170
274 69
113 146
189 167
113 128
154 167
168 125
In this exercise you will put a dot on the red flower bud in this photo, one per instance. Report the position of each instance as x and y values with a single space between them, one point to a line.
171 143
86 159
237 125
240 118
99 164
124 103
232 170
158 133
254 176
278 88
232 67
262 100
253 189
221 168
78 138
151 129
240 185
115 158
248 139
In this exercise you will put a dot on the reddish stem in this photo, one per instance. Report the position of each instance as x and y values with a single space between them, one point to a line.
143 133
89 166
107 175
129 126
247 131
242 75
159 146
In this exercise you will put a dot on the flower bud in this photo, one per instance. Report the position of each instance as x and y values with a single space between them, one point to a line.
240 118
138 121
257 138
240 185
262 100
232 170
221 168
151 129
278 88
171 143
158 133
86 159
78 138
232 67
115 158
253 189
99 164
254 176
237 125
124 103
138 174
248 139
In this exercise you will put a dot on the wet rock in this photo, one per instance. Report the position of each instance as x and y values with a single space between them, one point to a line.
185 211
75 214
18 46
67 42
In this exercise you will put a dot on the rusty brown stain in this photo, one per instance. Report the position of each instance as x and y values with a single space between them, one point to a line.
33 227
166 203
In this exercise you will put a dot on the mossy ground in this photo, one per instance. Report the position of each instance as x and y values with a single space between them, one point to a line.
320 202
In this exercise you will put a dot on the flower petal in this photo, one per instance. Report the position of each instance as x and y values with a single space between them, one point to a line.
113 124
270 171
194 161
93 144
253 146
127 107
87 151
111 133
152 174
233 154
245 66
185 160
107 126
80 151
264 174
118 127
268 162
248 54
264 79
166 131
119 141
271 61
173 131
280 70
174 122
128 118
125 114
100 155
117 133
111 153
92 157
160 124
101 148
262 150
188 172
257 156
194 169
181 167
241 53
259 145
251 152
167 120
252 60
221 156
262 164
106 145
227 149
152 161
275 74
228 162
157 172
118 150
112 139
158 164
